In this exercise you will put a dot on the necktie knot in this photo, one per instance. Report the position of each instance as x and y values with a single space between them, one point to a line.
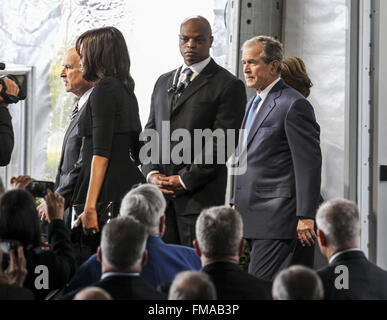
188 73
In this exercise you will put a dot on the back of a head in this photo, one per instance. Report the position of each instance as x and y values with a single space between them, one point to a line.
146 203
19 218
123 243
93 293
339 220
297 283
295 75
219 232
192 285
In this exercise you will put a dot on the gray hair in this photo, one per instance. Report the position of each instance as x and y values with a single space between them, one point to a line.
298 283
123 242
146 203
272 49
338 219
219 232
93 293
192 285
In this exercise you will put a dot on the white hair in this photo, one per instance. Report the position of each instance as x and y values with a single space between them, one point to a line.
219 232
297 283
338 219
123 242
192 285
145 203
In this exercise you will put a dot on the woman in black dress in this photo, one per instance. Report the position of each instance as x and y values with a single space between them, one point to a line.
110 126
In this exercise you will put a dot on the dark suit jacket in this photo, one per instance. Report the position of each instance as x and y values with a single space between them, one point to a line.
125 288
366 280
6 136
232 283
70 160
283 160
12 292
215 99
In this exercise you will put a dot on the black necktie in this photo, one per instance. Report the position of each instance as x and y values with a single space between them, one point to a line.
74 113
188 72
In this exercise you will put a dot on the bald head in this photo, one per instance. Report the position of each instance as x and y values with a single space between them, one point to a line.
195 39
93 293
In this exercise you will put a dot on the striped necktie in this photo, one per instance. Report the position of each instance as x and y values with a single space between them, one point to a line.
75 111
188 72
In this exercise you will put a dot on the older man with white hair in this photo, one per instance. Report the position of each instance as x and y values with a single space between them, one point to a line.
349 274
146 203
297 283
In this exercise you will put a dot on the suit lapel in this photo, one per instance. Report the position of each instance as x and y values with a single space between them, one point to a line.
196 84
267 106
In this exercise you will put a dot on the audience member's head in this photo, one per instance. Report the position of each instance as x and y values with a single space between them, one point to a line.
146 203
295 75
219 234
338 226
297 283
19 218
104 53
122 246
93 293
192 285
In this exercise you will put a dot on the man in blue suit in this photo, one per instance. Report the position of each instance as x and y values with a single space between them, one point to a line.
278 195
147 204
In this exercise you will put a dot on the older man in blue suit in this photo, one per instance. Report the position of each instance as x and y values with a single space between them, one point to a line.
278 195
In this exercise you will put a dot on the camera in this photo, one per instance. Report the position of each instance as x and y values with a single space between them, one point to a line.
20 81
39 188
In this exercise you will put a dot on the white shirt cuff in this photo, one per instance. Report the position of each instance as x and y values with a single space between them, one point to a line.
182 183
150 173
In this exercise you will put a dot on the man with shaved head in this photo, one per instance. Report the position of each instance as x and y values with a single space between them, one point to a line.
197 95
68 167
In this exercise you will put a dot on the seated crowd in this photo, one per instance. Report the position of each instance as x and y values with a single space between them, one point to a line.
133 263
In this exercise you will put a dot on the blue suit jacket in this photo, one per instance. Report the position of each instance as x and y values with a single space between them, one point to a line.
283 160
164 262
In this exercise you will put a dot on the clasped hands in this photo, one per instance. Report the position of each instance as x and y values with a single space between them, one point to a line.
305 232
169 185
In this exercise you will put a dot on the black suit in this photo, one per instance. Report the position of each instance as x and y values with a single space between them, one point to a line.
215 99
6 136
366 280
232 283
13 292
125 288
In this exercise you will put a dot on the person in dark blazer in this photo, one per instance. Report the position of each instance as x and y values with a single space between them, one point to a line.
146 203
122 255
6 128
279 191
219 244
69 163
198 95
349 275
110 127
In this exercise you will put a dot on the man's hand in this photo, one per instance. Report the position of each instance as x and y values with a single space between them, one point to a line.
17 271
305 232
12 89
89 219
157 179
20 182
173 183
42 210
55 205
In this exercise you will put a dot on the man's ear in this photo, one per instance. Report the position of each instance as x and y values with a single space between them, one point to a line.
197 248
162 226
274 67
242 247
99 254
322 240
144 258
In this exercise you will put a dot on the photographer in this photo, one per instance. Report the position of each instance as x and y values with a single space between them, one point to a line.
6 130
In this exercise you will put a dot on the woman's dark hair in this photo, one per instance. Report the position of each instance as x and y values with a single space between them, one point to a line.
19 218
295 75
104 53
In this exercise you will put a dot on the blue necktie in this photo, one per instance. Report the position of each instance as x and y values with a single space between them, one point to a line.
188 72
251 116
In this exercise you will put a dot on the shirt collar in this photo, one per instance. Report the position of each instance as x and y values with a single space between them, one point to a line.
267 90
84 97
125 274
341 252
197 67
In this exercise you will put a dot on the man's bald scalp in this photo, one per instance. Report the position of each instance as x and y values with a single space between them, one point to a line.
201 20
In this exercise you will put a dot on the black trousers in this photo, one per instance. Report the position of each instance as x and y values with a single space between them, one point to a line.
270 256
179 229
